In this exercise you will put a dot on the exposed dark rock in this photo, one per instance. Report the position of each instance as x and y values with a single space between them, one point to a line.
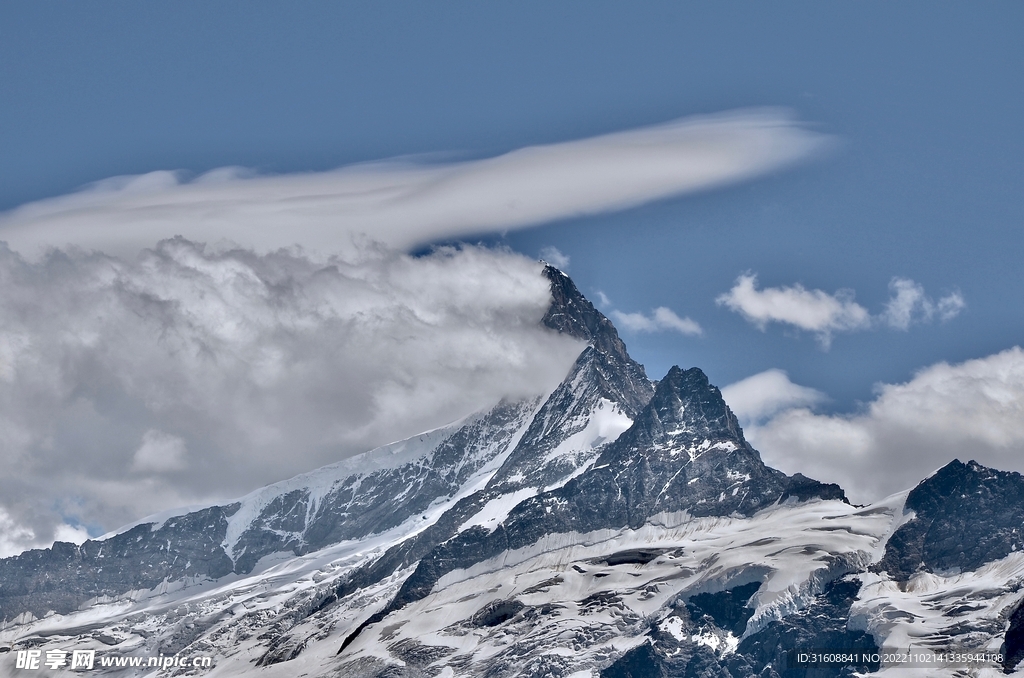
631 557
728 609
640 662
571 313
65 576
685 433
1013 642
498 612
821 625
417 654
803 488
965 515
603 371
370 503
283 649
683 660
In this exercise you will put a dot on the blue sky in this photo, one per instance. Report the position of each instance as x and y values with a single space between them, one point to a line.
924 183
925 186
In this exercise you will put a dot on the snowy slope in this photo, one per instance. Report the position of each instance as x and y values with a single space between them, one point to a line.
570 608
394 489
568 603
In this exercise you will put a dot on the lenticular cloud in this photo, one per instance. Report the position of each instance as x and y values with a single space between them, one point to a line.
403 204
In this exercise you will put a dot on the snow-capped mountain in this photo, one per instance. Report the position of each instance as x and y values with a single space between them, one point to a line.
613 527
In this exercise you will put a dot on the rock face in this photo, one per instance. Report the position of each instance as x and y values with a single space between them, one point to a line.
63 577
965 515
309 518
612 527
824 624
615 373
684 452
1013 647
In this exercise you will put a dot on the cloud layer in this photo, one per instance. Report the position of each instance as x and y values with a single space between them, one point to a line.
825 314
972 410
191 374
402 204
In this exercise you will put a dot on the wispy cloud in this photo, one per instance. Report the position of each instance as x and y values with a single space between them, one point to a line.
16 536
825 314
160 452
555 257
401 204
971 410
909 304
661 318
812 310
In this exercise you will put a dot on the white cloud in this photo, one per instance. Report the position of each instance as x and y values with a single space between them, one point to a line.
191 374
634 322
401 203
812 310
824 314
908 299
16 538
160 452
603 299
661 318
667 319
972 410
76 534
554 256
950 306
909 304
767 393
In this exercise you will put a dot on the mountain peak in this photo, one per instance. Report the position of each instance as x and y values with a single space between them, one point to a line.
685 402
965 515
571 313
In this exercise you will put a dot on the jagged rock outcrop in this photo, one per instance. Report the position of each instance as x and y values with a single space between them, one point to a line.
965 515
684 452
64 576
618 375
